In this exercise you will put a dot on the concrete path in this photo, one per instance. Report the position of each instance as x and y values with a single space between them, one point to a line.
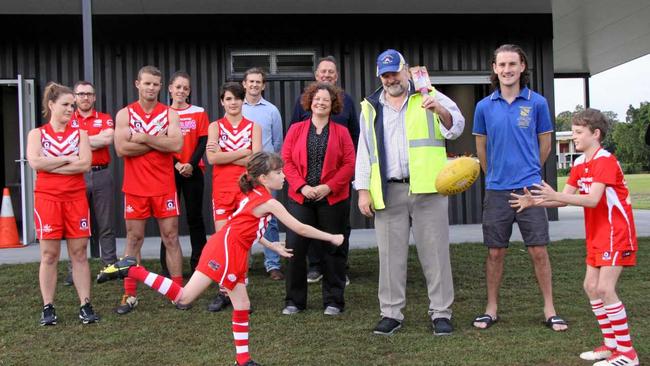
570 226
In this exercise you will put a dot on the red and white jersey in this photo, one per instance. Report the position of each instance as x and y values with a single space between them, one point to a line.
194 123
610 225
225 177
95 123
150 174
243 227
54 186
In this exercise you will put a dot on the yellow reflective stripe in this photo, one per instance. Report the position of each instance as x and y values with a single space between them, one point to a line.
370 120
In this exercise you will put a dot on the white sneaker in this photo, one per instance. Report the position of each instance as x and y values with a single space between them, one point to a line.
290 310
599 353
620 359
332 311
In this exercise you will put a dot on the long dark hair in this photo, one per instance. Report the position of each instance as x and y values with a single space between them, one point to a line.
525 75
259 163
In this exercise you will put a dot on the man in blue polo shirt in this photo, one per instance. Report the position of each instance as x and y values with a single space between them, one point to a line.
512 127
265 114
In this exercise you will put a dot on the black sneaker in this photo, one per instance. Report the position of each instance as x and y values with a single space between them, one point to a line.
48 316
219 303
87 314
119 269
314 276
442 326
127 304
387 326
248 363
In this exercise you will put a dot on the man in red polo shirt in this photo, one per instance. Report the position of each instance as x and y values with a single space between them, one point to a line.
99 180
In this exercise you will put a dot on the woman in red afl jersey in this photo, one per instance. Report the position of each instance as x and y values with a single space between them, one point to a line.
225 257
60 154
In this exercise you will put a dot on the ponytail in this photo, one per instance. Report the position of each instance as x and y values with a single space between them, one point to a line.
246 183
52 93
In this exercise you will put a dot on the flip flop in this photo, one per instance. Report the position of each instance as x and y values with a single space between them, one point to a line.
485 318
555 320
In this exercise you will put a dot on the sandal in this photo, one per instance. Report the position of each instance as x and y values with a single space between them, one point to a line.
487 319
555 320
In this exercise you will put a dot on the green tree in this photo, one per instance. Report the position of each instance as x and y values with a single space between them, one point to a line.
631 149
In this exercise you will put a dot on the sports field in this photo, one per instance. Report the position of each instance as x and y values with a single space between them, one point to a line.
158 334
639 185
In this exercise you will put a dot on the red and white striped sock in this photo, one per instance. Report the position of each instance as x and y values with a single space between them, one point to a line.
240 333
163 285
598 307
618 318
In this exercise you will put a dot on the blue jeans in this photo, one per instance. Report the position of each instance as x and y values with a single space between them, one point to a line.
271 258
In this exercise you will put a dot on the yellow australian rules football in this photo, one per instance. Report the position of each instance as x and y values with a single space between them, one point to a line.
457 175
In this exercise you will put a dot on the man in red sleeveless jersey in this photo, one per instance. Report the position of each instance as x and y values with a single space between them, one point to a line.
147 133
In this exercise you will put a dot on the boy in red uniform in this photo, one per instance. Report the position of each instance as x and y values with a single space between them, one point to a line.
147 134
225 257
610 232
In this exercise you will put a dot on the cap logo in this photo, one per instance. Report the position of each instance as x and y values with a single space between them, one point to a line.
387 60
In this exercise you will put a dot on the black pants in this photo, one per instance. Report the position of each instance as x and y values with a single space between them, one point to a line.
333 219
192 191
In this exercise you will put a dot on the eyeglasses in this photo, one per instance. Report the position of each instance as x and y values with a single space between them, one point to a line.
85 95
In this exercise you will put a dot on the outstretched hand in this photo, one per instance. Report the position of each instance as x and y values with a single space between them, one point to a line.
545 192
280 248
523 201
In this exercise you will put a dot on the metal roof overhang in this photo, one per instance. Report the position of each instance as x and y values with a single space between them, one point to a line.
590 36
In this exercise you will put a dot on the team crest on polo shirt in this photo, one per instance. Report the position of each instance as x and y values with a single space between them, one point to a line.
524 117
97 123
83 224
75 123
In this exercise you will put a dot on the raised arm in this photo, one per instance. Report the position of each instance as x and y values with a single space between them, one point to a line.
123 144
281 213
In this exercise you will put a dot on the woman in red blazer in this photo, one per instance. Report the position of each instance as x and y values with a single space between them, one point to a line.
319 164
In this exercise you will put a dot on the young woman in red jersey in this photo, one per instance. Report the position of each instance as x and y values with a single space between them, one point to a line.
231 141
60 154
225 257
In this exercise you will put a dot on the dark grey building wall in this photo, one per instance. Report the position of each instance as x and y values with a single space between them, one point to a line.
452 44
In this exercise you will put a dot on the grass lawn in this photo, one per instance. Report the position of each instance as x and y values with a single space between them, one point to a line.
638 184
157 334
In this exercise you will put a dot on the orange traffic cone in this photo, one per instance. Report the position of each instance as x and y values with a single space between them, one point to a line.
8 229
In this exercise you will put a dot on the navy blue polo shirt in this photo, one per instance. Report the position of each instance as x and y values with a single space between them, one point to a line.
512 131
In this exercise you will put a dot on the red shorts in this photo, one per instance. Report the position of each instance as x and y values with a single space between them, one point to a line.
224 204
224 263
623 258
142 208
57 220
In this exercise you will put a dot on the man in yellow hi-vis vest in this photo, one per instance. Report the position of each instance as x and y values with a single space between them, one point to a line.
401 150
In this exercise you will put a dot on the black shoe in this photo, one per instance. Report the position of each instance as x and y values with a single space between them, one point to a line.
48 316
87 314
119 269
442 326
387 326
248 363
127 304
219 303
68 280
314 276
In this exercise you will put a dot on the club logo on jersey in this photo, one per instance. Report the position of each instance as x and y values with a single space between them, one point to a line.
60 138
232 277
524 117
75 123
171 205
138 126
83 224
97 123
214 265
47 228
46 145
606 256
